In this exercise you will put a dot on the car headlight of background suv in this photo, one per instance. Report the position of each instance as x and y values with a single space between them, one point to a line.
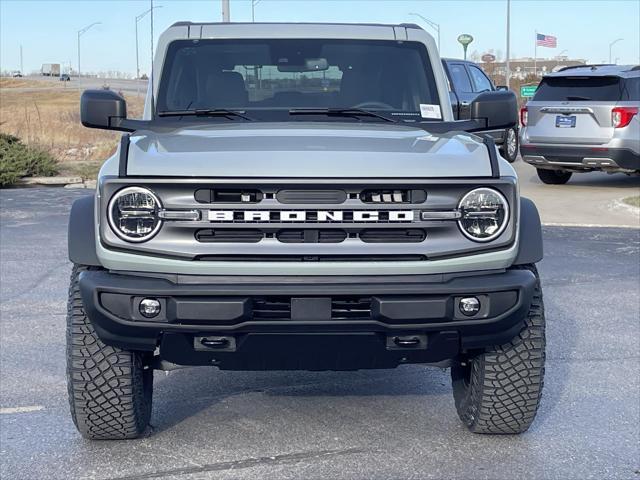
484 214
133 214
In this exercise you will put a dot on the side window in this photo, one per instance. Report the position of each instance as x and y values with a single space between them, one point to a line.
460 78
480 80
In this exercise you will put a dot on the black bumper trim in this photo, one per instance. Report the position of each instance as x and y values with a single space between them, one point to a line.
137 333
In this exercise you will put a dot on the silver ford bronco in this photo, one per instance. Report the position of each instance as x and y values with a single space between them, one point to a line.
299 196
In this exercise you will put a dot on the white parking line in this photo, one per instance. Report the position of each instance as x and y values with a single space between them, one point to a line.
31 408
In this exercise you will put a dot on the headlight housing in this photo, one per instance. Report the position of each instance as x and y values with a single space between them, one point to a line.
133 214
484 214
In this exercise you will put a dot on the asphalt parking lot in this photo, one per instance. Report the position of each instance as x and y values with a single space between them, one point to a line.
369 424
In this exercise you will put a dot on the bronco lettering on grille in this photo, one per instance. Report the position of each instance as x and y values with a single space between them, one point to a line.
311 216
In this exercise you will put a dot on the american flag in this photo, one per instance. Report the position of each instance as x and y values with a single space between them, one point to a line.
546 40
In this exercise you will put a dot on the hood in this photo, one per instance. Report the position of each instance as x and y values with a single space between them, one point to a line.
307 150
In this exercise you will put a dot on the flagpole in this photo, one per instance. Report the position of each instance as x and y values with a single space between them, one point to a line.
535 55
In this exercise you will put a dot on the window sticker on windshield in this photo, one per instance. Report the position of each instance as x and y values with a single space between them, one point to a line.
430 111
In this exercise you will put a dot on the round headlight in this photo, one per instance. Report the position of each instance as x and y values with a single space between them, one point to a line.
133 214
484 214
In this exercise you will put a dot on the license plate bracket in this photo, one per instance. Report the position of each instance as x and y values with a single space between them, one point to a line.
566 121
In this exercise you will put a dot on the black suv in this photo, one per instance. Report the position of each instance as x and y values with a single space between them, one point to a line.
466 82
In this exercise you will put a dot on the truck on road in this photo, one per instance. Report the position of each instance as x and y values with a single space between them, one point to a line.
299 196
50 69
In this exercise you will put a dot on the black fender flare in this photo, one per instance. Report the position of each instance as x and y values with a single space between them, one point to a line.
530 232
81 232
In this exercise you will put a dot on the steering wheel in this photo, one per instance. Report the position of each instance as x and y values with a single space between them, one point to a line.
382 105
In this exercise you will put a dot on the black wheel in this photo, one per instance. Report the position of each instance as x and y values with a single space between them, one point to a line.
509 148
499 390
110 389
553 177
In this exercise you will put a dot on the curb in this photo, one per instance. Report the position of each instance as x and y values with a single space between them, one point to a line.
56 181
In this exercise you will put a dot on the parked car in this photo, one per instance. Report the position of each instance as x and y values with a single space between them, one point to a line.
583 119
466 81
313 219
16 74
65 77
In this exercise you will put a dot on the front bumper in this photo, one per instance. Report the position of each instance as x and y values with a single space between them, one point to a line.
581 158
313 323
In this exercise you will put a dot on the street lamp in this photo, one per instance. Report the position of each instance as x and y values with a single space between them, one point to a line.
612 44
138 18
433 25
253 9
80 33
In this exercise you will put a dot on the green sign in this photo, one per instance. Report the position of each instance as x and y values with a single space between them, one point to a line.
465 39
527 91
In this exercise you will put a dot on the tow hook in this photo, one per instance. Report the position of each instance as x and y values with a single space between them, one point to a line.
215 343
406 342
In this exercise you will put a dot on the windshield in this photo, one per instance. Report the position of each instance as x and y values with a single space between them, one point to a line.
283 74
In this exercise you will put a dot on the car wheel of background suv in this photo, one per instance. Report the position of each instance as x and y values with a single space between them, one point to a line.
553 177
509 148
110 389
499 390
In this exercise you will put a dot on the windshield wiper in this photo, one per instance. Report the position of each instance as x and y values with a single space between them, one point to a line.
206 112
340 112
577 97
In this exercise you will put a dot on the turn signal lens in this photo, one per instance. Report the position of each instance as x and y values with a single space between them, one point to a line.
621 116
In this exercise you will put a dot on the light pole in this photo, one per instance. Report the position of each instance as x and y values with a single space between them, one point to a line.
434 25
253 9
80 33
507 69
612 44
138 18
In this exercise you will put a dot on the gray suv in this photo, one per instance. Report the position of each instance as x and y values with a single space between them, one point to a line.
301 197
581 119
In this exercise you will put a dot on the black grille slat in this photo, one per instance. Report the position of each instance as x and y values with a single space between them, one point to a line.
396 235
311 258
348 308
228 235
311 236
311 196
270 308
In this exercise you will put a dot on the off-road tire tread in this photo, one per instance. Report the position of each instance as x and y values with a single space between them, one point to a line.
109 388
505 384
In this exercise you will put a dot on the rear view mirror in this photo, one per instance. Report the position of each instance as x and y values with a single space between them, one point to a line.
497 110
102 109
502 88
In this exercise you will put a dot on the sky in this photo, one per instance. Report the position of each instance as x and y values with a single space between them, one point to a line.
47 29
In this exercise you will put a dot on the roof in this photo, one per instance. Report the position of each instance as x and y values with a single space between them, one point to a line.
625 71
195 24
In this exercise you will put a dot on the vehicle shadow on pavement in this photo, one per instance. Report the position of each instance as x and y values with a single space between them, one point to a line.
189 392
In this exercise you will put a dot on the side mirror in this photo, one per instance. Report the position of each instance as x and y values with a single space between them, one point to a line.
496 110
502 88
103 109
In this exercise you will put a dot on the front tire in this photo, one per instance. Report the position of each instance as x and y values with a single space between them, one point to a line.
553 177
110 389
499 390
510 143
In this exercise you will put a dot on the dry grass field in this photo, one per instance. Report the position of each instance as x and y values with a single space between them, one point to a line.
48 116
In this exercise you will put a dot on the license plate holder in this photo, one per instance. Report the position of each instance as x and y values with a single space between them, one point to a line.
566 121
